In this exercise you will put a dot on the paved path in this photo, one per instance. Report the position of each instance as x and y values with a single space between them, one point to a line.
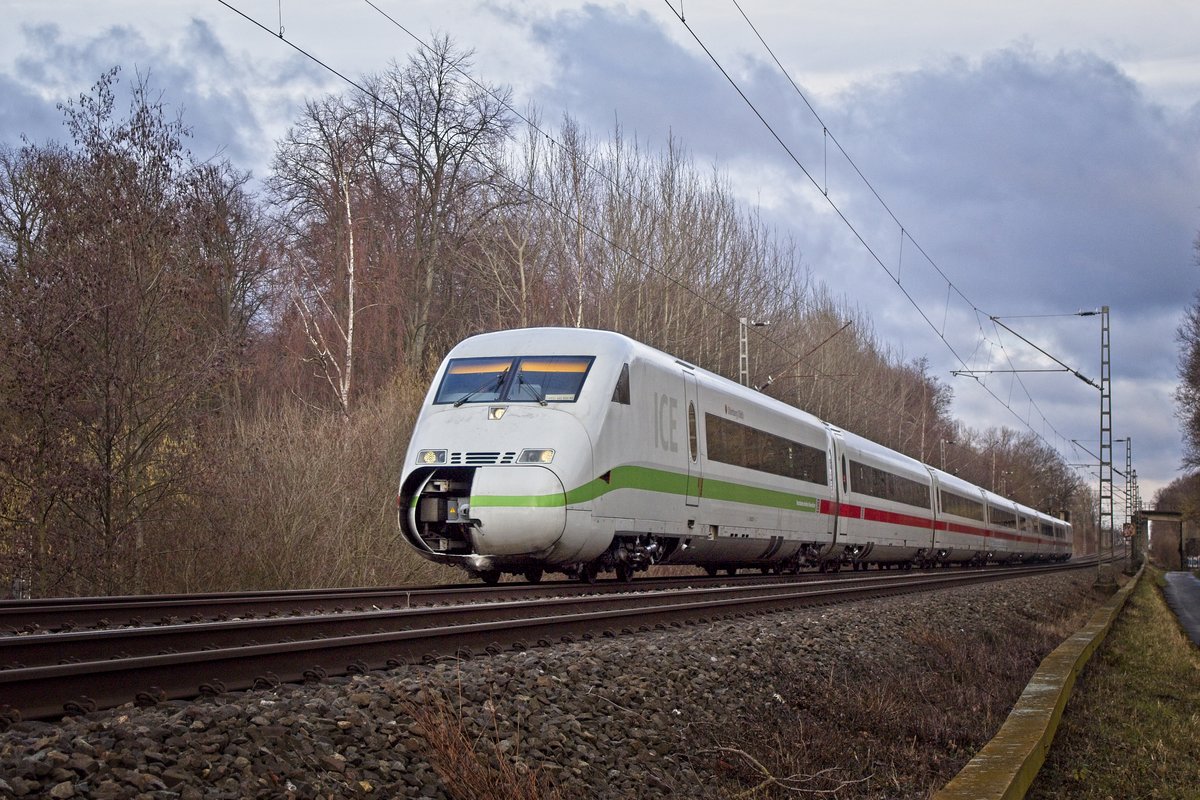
1183 595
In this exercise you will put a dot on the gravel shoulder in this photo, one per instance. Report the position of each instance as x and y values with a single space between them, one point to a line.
884 698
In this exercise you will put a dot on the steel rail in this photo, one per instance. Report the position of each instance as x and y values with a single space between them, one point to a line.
98 645
47 691
69 613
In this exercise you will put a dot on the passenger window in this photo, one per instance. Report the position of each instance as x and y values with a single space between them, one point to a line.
693 437
621 391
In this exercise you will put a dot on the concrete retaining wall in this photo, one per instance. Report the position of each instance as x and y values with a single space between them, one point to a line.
1006 766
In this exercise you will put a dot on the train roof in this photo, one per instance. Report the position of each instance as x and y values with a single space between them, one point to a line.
885 454
551 341
999 500
589 341
951 481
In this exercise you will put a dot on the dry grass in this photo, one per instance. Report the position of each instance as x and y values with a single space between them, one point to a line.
482 767
1132 726
300 498
863 732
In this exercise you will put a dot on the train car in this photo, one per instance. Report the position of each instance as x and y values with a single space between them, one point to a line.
577 450
1055 535
962 533
1066 536
1030 545
1003 530
581 451
760 488
885 512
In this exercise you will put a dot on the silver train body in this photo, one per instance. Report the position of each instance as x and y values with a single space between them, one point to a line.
582 451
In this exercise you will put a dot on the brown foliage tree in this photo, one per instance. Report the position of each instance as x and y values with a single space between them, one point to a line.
137 288
108 344
1182 495
1187 394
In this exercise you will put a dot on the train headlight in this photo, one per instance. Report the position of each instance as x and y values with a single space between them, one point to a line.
536 457
431 456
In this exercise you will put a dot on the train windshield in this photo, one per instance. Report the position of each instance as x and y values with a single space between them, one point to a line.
541 379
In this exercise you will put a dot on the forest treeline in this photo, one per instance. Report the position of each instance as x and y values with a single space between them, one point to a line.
208 382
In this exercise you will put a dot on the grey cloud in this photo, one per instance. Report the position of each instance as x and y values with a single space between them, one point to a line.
1075 183
615 65
1034 181
1038 183
227 101
25 112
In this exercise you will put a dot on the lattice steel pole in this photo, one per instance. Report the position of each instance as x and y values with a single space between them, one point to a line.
1104 574
743 352
1139 544
1129 509
1129 479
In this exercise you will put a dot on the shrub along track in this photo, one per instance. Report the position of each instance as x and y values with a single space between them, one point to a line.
150 664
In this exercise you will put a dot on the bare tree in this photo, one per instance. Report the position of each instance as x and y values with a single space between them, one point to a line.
439 155
230 248
319 170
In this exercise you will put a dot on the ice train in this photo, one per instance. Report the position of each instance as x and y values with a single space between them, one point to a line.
585 451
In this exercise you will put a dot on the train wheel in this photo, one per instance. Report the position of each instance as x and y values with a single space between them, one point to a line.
490 576
534 574
731 571
624 573
712 571
765 570
587 573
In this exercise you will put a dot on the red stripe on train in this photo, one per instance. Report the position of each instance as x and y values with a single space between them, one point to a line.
851 511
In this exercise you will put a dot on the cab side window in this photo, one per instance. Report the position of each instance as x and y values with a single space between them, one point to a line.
621 391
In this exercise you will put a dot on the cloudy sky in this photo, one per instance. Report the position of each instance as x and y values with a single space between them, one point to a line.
1017 159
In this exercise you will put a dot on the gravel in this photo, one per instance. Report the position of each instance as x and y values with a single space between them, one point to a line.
622 717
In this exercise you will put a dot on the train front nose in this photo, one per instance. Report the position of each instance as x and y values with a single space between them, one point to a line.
516 511
503 507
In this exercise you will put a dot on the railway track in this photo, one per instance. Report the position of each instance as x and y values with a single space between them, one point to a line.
104 668
64 614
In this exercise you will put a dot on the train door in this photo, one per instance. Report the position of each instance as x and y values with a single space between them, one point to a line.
695 476
837 470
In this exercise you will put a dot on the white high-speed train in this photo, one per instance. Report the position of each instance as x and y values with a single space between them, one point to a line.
583 451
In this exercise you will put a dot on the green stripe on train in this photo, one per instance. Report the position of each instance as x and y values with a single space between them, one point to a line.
648 479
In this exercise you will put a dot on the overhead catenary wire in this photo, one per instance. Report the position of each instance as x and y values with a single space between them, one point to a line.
565 213
600 236
394 109
827 135
839 212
